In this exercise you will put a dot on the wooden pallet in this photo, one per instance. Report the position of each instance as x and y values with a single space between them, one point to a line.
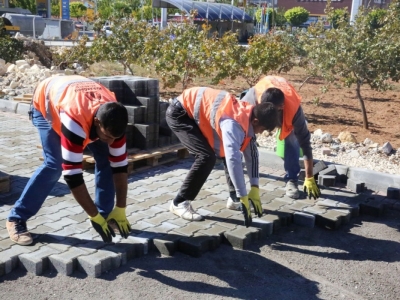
139 160
24 98
4 182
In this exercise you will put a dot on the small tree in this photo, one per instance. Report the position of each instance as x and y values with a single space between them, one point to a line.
77 9
297 15
355 55
339 15
280 19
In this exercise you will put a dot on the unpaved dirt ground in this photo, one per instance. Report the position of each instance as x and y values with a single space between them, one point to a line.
359 261
336 110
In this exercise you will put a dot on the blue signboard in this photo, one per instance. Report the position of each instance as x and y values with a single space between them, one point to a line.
65 9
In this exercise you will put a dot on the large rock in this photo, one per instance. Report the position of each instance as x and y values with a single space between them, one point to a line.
347 137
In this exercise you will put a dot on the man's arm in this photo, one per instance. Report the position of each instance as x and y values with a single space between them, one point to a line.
252 162
232 137
303 137
121 188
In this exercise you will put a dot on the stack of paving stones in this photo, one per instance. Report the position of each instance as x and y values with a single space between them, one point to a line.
66 242
147 128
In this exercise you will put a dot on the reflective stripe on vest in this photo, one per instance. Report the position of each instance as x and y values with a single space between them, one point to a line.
197 104
60 91
213 113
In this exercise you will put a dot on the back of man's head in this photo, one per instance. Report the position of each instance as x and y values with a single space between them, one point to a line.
267 115
274 96
113 116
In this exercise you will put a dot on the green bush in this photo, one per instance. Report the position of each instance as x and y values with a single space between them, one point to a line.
11 49
339 16
297 15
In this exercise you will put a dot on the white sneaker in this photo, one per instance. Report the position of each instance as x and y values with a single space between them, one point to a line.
230 204
185 211
292 190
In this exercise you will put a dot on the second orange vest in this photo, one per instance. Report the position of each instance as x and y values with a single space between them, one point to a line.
291 102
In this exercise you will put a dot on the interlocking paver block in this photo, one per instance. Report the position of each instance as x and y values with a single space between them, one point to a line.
67 262
191 228
330 220
372 207
393 193
99 262
160 218
164 227
9 258
167 244
355 186
327 180
216 232
274 219
241 237
266 227
38 261
304 219
196 245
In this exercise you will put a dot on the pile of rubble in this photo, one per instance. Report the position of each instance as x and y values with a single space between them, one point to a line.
344 149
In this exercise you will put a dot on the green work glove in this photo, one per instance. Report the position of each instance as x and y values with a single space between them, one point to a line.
119 217
246 210
101 226
311 188
254 197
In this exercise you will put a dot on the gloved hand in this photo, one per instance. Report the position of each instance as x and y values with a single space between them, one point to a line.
254 197
101 226
311 188
246 210
119 217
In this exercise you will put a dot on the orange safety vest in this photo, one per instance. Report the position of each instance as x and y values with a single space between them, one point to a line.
77 96
291 102
206 106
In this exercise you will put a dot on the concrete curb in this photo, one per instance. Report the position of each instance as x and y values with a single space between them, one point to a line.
373 180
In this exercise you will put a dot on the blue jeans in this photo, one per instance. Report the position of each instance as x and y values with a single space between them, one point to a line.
46 176
291 158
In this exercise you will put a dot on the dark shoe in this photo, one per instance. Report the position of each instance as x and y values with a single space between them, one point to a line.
18 232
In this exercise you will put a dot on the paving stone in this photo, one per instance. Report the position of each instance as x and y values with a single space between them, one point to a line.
9 258
393 193
304 219
330 170
38 261
274 219
196 245
266 227
318 167
161 217
373 207
67 262
125 249
164 227
216 232
242 237
329 220
327 180
141 225
167 244
152 211
81 217
274 205
59 224
99 262
191 228
355 186
141 245
315 210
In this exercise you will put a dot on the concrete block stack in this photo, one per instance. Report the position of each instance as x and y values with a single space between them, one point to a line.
147 127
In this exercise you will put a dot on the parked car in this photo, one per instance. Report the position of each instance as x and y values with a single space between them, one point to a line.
107 30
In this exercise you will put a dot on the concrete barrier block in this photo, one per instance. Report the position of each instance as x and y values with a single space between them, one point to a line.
8 105
23 109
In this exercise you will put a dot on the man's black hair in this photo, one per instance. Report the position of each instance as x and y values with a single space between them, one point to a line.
267 115
274 96
113 116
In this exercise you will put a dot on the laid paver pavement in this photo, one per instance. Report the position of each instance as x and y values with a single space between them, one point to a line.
66 241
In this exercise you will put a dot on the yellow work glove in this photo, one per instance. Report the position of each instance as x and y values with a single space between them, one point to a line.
254 197
246 210
119 217
311 188
101 226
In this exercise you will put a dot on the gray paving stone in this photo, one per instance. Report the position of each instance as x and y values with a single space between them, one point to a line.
242 237
99 262
196 245
67 262
167 244
38 261
304 219
266 227
9 258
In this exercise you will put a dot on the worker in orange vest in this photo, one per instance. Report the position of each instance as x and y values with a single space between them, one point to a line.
70 113
278 91
212 123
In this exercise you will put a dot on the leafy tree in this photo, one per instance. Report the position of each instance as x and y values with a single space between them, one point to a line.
77 9
77 54
339 15
354 56
122 10
27 4
297 15
280 19
271 15
55 10
11 49
376 17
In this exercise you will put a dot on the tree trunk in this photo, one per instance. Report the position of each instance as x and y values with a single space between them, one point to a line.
364 112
